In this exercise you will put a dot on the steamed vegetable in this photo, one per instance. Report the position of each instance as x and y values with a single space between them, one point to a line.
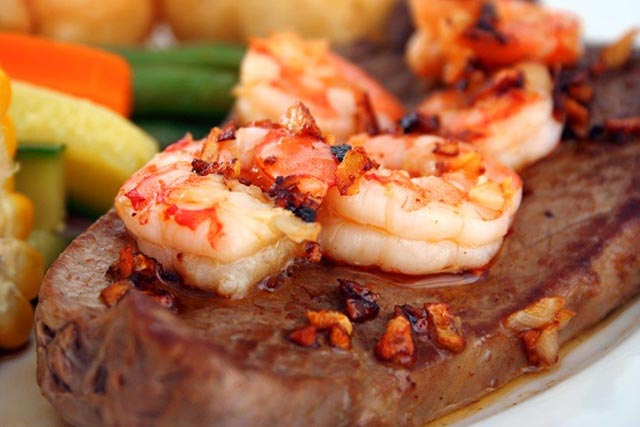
41 178
78 70
16 316
21 266
184 91
102 148
217 56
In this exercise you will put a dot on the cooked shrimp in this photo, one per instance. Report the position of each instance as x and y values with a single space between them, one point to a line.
436 205
284 68
452 34
510 117
202 208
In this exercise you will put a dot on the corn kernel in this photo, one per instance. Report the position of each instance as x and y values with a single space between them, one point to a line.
16 316
5 93
21 264
16 216
9 132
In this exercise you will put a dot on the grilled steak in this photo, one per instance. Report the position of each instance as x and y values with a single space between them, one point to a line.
228 363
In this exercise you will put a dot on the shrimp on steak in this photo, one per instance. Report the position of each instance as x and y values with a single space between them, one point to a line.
435 205
510 116
228 210
284 68
453 35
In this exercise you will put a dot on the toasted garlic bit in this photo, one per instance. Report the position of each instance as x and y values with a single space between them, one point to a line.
135 270
539 324
325 319
617 54
445 327
340 338
396 345
535 315
114 292
305 336
353 166
338 325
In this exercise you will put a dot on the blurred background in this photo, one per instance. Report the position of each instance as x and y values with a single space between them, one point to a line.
133 22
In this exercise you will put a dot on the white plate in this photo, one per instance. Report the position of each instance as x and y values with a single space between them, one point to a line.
603 20
597 382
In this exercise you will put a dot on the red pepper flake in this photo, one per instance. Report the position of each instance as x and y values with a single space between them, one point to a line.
193 218
227 133
138 201
305 336
359 300
396 345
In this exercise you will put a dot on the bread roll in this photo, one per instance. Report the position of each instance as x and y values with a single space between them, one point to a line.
340 21
14 16
90 21
203 19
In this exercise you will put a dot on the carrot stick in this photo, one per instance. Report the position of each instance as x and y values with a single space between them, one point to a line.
78 70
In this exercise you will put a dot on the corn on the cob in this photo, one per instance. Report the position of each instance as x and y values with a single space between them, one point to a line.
21 266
